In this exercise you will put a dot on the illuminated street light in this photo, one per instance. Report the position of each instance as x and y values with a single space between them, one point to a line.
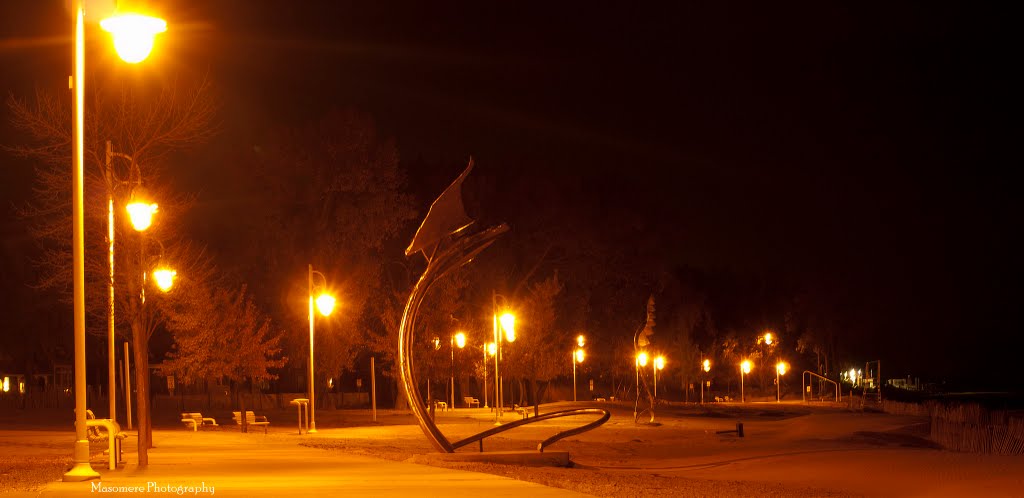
133 35
780 369
140 210
706 366
458 339
325 304
81 470
768 339
508 323
659 363
577 357
744 369
641 359
164 278
580 340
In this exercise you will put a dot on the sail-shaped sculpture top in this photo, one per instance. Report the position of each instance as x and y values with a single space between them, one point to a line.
444 240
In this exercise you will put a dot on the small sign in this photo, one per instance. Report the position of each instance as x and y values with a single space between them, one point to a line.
170 384
359 382
691 386
808 388
591 384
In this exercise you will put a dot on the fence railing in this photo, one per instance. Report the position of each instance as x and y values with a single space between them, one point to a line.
968 427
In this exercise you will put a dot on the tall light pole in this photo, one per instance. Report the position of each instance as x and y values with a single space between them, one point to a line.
659 364
744 369
507 321
780 369
639 361
706 366
458 339
145 29
325 303
577 357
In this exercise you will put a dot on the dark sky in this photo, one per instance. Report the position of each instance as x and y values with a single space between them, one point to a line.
864 144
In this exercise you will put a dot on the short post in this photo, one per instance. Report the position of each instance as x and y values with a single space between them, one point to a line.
373 388
127 386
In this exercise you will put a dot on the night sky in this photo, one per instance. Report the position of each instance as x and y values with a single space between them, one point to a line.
866 146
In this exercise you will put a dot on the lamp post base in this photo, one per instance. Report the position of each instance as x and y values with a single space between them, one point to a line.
81 471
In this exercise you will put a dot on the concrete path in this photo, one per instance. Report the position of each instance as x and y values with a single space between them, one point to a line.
229 463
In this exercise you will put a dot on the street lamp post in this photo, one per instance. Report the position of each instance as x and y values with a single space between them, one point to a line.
744 369
458 339
325 303
577 357
640 361
780 369
706 366
659 364
81 469
507 321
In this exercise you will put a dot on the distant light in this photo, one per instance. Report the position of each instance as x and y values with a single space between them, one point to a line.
782 367
768 338
460 340
164 278
641 359
745 366
325 303
707 365
580 340
492 348
21 386
133 35
579 356
659 362
437 343
7 384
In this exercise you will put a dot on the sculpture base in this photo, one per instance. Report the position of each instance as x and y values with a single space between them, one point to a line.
521 458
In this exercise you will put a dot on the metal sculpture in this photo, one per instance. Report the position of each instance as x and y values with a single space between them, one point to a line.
447 245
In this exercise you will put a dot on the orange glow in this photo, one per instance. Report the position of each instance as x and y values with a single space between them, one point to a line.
580 340
508 324
325 303
782 367
133 35
641 359
492 348
141 214
460 340
707 365
746 366
579 356
164 278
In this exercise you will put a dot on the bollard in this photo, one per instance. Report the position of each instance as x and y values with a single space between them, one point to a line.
738 430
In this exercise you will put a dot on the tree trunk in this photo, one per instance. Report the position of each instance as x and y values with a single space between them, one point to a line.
142 390
241 402
534 392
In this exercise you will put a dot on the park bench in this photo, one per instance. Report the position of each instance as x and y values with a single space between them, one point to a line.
470 401
251 419
522 410
114 435
196 420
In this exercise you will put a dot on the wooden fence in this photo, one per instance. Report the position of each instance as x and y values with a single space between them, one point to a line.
968 427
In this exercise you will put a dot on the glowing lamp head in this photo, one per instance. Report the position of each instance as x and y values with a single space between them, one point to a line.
7 384
325 303
579 356
641 359
659 362
768 339
164 278
133 35
492 348
141 214
508 324
745 366
707 365
782 367
580 340
437 343
460 340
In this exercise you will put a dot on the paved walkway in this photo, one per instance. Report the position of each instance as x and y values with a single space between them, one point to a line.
229 463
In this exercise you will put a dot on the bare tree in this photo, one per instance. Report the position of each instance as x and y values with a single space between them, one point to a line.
147 129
